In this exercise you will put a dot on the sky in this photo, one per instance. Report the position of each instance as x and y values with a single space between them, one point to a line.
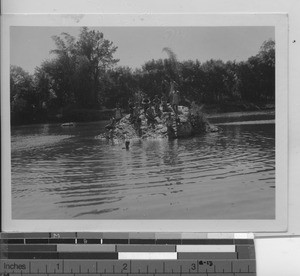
136 45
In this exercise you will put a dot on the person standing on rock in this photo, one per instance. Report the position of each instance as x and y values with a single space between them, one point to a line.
156 103
146 103
150 116
175 101
174 97
118 113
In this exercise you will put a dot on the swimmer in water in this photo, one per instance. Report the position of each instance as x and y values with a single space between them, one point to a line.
127 143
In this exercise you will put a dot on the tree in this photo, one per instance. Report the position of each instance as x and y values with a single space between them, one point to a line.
74 75
65 66
257 75
23 99
266 58
99 53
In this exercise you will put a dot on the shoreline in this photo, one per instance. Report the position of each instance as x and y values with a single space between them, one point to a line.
211 114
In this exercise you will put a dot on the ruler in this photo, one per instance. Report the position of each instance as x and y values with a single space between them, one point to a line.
146 254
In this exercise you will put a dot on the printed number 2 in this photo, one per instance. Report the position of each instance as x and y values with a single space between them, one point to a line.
124 266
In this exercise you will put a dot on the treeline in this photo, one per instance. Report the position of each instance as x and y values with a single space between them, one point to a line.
83 78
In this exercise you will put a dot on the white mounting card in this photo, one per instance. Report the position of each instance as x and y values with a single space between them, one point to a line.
58 179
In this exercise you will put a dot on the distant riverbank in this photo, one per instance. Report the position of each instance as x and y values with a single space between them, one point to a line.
229 107
92 115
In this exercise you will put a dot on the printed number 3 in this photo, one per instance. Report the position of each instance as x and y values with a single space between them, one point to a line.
193 266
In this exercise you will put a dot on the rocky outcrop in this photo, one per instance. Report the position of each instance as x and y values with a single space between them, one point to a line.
186 124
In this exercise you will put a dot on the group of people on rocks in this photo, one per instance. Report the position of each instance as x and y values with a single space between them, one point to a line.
152 108
141 103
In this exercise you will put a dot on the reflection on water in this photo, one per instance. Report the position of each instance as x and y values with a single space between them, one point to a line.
65 173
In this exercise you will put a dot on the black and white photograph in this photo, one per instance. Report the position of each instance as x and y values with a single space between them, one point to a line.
143 122
169 129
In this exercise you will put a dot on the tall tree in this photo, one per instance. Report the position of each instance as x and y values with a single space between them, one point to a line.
65 63
99 53
76 71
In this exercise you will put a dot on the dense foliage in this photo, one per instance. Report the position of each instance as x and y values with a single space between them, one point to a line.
83 76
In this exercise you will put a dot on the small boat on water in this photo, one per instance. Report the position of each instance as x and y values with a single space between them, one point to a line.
70 124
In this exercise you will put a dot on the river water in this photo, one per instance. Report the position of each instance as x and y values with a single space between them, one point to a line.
69 173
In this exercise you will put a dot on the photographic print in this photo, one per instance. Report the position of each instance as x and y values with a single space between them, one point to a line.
144 122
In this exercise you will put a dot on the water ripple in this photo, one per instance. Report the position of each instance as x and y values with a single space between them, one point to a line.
71 173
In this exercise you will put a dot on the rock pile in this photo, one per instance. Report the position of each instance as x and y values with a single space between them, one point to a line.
186 124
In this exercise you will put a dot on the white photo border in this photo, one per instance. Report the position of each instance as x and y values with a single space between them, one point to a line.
279 21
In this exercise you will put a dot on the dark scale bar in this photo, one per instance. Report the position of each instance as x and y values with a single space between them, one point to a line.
61 241
41 235
245 251
32 255
31 247
208 241
118 236
3 247
167 241
115 241
88 241
36 241
89 255
244 241
142 241
12 236
4 254
89 235
12 241
24 235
